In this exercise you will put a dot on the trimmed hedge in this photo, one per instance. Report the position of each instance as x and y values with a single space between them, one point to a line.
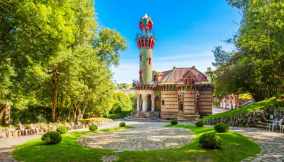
51 137
174 122
199 123
122 124
210 141
221 127
62 129
93 127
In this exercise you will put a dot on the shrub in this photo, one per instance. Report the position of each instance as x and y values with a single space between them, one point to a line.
199 123
93 127
51 137
221 127
174 122
122 124
62 129
210 141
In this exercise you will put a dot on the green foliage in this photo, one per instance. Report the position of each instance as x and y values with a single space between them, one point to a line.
51 138
62 129
221 127
199 123
121 102
174 122
241 4
122 124
242 111
221 57
93 127
49 58
122 105
257 66
109 44
31 114
210 141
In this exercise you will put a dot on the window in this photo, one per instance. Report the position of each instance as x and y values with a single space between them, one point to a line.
163 102
149 61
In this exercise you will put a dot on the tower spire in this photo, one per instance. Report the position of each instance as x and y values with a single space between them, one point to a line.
145 42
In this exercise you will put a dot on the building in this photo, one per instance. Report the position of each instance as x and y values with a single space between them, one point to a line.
179 93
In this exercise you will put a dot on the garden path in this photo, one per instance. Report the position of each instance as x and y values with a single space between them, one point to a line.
144 136
7 144
271 143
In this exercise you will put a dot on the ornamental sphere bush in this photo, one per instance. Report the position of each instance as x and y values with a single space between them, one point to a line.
93 127
174 122
62 129
221 127
199 123
210 141
122 124
51 138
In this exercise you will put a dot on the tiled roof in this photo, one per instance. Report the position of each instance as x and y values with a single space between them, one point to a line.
180 75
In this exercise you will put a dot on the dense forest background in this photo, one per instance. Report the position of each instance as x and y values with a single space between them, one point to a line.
257 65
55 61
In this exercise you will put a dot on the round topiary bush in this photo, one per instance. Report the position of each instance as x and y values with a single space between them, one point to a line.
52 137
199 123
93 127
122 124
210 141
174 122
62 129
221 127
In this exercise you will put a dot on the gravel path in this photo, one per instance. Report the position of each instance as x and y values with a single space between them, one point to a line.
144 136
272 144
7 144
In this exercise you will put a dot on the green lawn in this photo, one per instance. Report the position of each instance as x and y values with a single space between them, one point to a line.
235 148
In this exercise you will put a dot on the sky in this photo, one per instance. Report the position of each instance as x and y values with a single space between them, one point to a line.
186 31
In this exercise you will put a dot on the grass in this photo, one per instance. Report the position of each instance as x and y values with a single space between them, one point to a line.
271 102
235 148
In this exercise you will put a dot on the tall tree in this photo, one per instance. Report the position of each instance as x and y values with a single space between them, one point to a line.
49 56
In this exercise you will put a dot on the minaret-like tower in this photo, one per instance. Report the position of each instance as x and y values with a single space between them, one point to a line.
145 42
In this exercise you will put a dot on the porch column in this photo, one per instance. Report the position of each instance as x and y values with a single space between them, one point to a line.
153 102
144 103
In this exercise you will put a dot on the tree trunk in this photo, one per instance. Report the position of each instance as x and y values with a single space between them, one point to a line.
5 111
54 92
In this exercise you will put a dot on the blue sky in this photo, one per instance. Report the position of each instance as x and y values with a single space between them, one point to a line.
186 31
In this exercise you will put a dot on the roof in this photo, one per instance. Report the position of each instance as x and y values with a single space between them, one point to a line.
181 76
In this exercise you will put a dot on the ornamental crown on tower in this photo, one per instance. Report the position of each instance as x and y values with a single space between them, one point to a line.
146 23
145 39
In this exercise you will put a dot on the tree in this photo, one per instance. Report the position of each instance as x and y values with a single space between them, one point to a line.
221 57
257 66
109 44
50 58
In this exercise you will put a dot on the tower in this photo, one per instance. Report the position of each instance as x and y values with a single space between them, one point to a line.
145 42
